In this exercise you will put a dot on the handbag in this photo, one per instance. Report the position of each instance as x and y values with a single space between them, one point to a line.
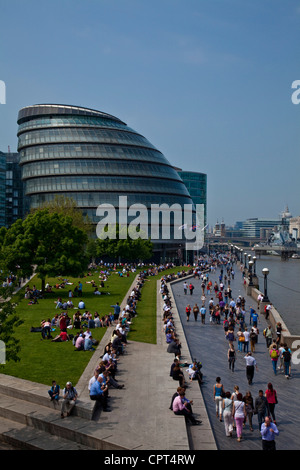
242 338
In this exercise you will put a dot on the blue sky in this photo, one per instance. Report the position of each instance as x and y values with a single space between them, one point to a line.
208 82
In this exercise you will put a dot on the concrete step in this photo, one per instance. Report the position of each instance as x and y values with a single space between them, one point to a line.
74 429
38 394
24 437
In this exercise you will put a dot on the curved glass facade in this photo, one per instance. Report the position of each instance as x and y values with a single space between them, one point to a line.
92 157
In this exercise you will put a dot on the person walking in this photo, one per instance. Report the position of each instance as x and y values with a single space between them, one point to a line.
268 432
239 414
247 340
219 392
231 357
271 396
188 312
230 335
203 313
241 339
251 365
274 354
261 408
268 336
227 414
287 356
253 339
248 399
195 311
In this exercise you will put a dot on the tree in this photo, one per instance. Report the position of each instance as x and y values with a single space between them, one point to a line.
123 246
46 243
68 206
9 320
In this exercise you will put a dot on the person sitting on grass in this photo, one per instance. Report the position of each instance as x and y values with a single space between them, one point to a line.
63 336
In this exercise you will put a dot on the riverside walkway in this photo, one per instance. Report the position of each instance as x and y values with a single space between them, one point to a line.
207 343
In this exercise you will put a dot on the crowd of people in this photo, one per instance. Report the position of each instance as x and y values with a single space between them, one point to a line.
105 374
222 308
180 404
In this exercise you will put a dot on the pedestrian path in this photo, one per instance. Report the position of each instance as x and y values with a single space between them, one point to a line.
208 344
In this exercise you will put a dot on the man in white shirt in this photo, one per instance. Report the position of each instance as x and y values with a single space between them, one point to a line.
93 379
247 339
250 365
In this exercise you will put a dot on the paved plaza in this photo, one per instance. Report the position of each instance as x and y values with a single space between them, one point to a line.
207 343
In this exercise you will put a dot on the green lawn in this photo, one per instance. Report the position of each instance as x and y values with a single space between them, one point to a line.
144 327
42 360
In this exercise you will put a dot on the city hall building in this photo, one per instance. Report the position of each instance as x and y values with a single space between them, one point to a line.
94 158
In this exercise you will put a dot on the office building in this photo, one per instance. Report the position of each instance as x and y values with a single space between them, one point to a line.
11 189
93 158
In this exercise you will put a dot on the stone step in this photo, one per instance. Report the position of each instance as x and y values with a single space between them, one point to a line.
24 437
74 429
38 394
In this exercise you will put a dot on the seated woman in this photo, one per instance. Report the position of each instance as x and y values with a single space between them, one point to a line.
77 321
63 336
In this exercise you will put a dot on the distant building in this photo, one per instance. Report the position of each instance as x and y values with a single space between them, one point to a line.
196 184
219 230
11 189
255 228
2 188
294 228
14 189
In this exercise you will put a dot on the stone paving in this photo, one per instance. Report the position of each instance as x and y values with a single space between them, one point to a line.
208 344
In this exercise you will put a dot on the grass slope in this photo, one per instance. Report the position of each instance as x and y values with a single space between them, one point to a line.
42 360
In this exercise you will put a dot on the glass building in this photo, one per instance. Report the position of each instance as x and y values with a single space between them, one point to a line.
93 158
196 184
2 188
11 189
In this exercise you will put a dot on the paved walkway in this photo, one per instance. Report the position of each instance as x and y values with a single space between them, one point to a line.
208 344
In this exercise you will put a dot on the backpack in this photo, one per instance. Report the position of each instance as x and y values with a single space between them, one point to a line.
286 355
274 354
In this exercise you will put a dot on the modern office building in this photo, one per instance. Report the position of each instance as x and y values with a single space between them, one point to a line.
93 158
2 188
196 184
15 203
259 228
11 189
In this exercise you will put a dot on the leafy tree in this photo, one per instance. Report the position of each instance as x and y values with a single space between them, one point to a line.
9 321
46 243
123 246
68 206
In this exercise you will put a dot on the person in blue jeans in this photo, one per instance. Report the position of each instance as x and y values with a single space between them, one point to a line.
287 355
246 342
54 391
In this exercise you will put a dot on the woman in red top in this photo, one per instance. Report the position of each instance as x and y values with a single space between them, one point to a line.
188 311
271 397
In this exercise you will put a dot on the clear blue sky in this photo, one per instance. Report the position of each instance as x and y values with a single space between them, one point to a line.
208 82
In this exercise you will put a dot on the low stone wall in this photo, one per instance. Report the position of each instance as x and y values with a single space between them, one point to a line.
274 317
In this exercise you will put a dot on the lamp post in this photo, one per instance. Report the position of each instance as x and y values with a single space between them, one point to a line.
245 260
250 273
254 265
265 272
